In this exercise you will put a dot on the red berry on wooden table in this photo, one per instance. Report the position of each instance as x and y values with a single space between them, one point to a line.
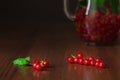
80 55
86 62
34 65
45 63
98 60
92 63
81 61
71 59
38 67
101 65
91 58
97 64
76 60
37 61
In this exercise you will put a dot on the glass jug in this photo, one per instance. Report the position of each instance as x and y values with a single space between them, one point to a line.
97 21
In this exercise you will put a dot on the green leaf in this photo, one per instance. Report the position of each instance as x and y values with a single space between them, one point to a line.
114 5
97 4
94 3
16 62
27 58
100 3
21 61
82 3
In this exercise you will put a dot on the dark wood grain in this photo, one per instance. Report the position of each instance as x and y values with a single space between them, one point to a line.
55 42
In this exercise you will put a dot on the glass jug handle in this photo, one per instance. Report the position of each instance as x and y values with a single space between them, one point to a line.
69 14
67 10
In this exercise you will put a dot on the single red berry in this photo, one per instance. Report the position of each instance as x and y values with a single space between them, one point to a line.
91 58
45 63
80 55
86 62
81 61
34 65
38 67
92 63
118 17
97 64
76 60
101 65
98 60
37 61
70 59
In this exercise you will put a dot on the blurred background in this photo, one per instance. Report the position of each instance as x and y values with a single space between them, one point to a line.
25 11
23 19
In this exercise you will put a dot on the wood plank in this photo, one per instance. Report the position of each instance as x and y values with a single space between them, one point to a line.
54 43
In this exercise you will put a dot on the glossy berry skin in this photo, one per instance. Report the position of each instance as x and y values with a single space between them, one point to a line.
76 60
86 62
80 55
91 58
37 61
97 64
101 65
70 59
81 61
118 17
38 67
98 60
45 63
34 65
92 63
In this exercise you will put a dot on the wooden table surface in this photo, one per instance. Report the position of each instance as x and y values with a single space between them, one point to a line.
55 42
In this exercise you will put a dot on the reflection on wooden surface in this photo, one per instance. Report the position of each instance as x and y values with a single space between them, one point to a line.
54 43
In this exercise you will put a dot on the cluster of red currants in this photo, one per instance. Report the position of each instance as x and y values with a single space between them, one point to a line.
92 61
40 64
98 26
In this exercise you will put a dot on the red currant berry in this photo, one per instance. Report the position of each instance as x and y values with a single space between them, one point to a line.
92 63
80 55
34 65
76 60
81 61
91 58
97 64
118 17
38 67
86 62
37 61
45 63
70 59
98 60
101 65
